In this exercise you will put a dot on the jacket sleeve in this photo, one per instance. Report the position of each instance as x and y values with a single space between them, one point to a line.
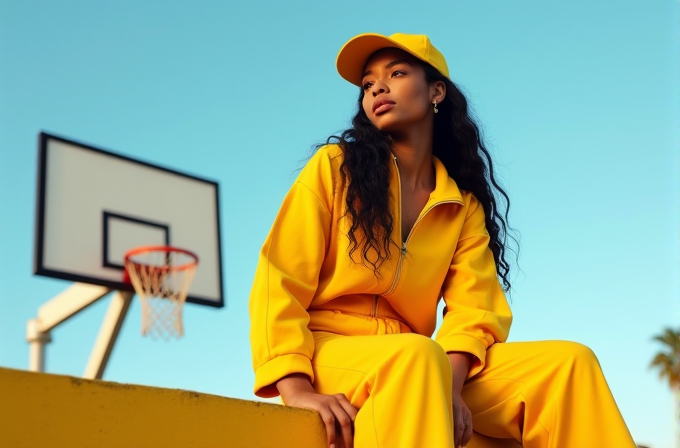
477 312
286 279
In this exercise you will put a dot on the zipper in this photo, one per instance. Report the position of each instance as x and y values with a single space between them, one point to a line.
403 251
397 275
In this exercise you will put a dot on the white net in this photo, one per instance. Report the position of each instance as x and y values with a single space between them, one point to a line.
161 277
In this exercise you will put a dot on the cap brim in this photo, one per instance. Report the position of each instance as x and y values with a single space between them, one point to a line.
353 55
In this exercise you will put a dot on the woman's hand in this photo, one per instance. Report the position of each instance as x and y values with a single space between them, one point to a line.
462 421
336 411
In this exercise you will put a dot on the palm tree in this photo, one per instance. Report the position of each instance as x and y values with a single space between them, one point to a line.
668 363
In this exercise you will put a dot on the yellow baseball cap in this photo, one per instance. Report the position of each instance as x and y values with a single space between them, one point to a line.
353 55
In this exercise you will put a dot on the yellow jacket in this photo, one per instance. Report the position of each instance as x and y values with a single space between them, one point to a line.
305 275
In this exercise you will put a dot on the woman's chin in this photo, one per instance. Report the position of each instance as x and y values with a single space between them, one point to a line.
386 124
391 124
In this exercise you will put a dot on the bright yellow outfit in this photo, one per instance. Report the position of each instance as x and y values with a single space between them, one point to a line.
315 311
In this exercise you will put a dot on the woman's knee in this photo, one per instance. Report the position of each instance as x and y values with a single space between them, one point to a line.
420 349
574 353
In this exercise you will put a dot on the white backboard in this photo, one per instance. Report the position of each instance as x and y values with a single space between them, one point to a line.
94 205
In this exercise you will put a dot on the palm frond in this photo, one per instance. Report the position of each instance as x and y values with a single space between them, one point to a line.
667 361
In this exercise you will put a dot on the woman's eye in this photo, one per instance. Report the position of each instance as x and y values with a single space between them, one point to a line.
398 73
367 85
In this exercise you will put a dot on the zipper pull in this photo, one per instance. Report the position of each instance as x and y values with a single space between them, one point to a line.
403 249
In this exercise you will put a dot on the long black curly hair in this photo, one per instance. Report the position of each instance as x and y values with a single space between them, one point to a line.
457 142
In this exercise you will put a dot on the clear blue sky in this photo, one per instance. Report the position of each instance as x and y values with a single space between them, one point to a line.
579 102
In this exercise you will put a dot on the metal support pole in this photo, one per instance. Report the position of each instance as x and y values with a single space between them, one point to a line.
37 340
113 321
60 308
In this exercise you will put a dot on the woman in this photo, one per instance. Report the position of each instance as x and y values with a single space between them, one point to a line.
396 214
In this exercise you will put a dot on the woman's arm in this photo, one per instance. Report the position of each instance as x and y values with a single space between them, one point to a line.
287 277
283 288
460 365
285 283
462 418
477 312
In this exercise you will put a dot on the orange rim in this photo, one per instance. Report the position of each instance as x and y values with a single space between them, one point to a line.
166 249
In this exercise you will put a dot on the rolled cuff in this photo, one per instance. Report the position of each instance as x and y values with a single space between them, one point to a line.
466 344
273 370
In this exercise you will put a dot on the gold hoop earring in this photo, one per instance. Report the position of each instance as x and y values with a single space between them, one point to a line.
434 103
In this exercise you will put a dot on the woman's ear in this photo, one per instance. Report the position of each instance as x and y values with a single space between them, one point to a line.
438 91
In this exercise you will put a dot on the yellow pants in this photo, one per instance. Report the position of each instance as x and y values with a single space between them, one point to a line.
539 394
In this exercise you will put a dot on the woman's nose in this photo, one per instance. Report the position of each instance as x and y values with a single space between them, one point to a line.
378 90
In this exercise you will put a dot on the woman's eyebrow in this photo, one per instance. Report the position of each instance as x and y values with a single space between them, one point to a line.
389 65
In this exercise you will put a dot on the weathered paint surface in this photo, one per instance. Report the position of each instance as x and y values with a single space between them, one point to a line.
44 410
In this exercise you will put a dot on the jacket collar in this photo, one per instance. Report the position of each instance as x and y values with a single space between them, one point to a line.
446 189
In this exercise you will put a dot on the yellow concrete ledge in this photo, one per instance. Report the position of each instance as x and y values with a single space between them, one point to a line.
43 410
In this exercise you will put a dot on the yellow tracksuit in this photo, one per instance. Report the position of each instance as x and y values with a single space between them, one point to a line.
315 311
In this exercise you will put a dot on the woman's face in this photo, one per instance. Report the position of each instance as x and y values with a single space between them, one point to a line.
396 94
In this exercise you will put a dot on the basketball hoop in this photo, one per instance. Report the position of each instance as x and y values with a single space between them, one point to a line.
161 276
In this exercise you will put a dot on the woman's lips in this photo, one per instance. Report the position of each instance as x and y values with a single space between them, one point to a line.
382 106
